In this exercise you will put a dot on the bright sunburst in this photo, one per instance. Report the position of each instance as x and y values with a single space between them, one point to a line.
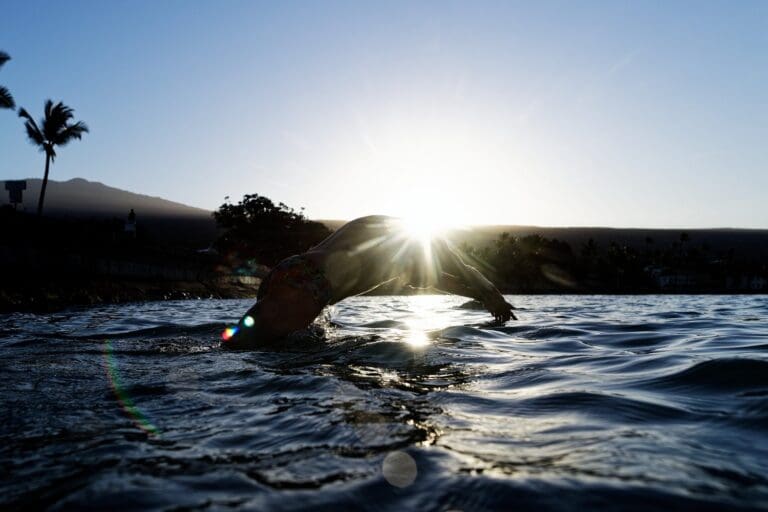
428 222
424 228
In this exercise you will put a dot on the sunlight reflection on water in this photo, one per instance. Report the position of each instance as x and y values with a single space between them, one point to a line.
417 338
426 316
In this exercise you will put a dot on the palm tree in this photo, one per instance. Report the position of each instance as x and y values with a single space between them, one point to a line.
57 131
6 100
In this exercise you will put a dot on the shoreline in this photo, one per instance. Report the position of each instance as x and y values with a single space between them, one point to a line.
51 297
58 296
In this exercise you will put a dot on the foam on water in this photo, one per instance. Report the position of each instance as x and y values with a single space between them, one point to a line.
391 403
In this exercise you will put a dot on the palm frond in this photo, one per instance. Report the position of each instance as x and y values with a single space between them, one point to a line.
56 129
33 132
4 57
56 117
70 132
34 135
6 100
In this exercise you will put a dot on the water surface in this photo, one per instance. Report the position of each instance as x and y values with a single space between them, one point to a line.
394 403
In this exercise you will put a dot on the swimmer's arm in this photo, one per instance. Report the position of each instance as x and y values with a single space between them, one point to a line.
476 284
448 283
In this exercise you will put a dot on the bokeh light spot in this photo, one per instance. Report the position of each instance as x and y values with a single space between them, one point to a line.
399 469
248 321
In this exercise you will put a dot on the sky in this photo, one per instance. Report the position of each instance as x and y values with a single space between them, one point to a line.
590 113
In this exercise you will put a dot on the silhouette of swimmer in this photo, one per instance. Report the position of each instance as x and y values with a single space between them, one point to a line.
360 256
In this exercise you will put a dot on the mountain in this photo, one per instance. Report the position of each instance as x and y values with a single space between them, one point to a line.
159 219
79 198
180 224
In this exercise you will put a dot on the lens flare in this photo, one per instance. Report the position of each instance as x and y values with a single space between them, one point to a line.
130 410
228 333
248 321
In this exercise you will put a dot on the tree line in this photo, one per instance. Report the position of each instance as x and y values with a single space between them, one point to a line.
257 231
533 264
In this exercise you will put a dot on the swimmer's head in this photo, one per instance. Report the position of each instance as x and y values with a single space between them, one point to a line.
282 310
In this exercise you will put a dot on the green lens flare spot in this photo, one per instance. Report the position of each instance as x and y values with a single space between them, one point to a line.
248 321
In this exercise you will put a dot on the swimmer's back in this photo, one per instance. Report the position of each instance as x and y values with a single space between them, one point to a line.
357 232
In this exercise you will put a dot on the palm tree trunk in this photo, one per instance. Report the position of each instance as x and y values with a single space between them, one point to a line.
45 184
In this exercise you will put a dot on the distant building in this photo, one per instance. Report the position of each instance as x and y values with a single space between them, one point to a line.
666 278
654 271
15 189
747 282
676 281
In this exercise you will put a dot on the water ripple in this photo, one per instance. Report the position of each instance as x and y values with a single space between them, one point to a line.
628 403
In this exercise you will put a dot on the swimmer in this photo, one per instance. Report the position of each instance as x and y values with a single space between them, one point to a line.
360 256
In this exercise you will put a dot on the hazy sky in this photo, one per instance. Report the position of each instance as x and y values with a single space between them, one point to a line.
646 114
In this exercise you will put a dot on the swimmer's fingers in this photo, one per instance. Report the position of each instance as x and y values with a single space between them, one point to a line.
507 313
510 314
501 310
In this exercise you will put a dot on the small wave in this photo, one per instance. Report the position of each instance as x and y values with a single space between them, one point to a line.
670 315
632 340
464 333
611 408
385 324
633 327
166 330
546 333
720 375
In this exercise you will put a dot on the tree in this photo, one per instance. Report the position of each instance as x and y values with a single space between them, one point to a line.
256 228
56 131
6 100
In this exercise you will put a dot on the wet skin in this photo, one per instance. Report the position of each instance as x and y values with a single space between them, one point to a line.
360 256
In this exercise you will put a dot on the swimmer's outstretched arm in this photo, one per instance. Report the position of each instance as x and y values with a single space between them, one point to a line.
466 280
487 294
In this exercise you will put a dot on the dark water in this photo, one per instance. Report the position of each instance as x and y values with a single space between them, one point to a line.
633 403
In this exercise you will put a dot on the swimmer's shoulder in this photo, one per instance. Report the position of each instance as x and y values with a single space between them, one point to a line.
369 223
358 231
373 220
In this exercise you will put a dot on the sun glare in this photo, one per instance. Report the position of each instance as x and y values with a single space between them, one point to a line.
424 227
425 221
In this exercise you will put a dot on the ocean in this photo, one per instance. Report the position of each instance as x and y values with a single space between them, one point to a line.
391 404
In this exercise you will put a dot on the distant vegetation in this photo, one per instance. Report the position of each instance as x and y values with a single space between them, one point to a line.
259 231
535 264
262 232
6 99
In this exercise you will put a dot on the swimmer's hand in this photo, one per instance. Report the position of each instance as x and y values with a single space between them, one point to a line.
499 308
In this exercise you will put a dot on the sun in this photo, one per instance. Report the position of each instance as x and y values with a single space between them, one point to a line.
427 224
423 227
